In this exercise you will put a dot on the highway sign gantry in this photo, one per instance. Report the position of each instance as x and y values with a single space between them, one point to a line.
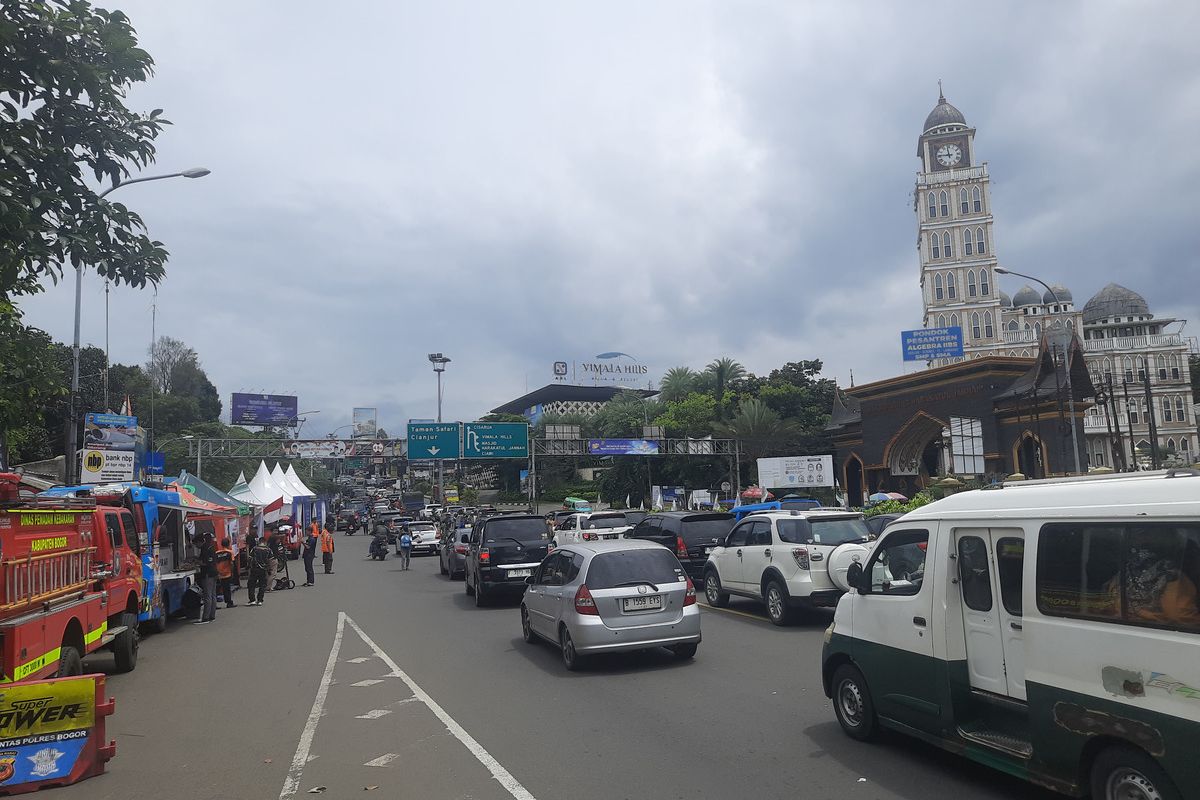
495 440
433 440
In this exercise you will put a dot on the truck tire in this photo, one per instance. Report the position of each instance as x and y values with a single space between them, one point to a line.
125 646
159 623
70 662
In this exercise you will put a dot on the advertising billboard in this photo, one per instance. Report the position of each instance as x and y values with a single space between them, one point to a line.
107 466
622 447
109 431
263 409
929 343
365 426
789 471
315 448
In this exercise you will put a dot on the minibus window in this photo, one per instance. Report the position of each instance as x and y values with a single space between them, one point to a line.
973 573
1010 556
899 564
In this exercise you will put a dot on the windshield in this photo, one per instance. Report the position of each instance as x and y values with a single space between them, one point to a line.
657 566
707 527
420 526
828 531
615 521
528 529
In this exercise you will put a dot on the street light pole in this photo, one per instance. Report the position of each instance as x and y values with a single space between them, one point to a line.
439 362
1066 363
70 466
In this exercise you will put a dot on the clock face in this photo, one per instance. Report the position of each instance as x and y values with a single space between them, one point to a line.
949 154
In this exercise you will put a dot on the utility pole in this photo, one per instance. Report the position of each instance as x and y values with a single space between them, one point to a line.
439 362
1154 460
1119 450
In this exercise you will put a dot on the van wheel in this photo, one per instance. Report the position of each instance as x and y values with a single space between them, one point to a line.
125 646
526 628
571 659
70 662
480 597
776 599
467 584
852 703
1123 773
712 590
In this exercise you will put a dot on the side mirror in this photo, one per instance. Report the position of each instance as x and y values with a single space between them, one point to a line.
854 577
529 581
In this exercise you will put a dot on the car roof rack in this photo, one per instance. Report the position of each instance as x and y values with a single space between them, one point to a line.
1177 472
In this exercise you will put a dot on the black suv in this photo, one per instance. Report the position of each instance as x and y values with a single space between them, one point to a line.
690 535
502 553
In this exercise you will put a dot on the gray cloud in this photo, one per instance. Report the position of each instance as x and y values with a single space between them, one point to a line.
513 184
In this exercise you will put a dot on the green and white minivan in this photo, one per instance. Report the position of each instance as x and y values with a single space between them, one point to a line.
1049 629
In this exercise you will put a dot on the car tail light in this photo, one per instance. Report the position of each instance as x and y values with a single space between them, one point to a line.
922 546
584 602
588 536
485 555
460 548
689 598
680 547
801 556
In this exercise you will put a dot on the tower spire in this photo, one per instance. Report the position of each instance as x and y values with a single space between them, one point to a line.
941 96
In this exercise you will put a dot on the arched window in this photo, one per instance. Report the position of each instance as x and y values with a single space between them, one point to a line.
985 287
1175 366
1142 367
977 199
1168 414
1013 326
1184 445
967 249
941 320
937 287
954 320
947 247
1133 412
937 245
963 207
1037 329
1026 354
1161 365
951 291
945 203
932 206
1106 366
1170 444
975 332
971 289
1128 364
980 245
988 330
1180 408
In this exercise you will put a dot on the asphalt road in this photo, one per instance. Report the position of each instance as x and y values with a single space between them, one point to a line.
394 680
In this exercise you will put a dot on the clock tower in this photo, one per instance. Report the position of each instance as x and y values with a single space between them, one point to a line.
954 224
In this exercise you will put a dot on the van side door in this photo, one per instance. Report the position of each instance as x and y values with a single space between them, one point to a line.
893 632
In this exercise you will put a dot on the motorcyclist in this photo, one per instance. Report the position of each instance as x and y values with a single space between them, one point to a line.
379 546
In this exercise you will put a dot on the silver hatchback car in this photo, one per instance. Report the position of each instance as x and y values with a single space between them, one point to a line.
611 596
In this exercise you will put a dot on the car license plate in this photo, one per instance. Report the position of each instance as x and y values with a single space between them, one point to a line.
649 602
520 573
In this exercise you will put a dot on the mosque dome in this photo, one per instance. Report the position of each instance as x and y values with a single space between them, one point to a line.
1115 300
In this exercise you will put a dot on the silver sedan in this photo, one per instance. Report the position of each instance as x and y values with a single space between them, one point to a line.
611 596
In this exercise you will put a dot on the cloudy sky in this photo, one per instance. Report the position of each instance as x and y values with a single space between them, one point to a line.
520 182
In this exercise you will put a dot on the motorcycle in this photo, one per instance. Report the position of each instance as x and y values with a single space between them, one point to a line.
378 549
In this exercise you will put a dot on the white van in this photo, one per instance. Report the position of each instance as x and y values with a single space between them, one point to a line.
1050 629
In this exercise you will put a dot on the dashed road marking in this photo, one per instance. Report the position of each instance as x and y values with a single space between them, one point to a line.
374 714
359 660
367 682
383 760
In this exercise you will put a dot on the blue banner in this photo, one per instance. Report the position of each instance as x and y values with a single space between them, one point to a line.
926 344
622 447
263 409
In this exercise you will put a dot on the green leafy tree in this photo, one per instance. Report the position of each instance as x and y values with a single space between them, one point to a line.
677 384
760 430
724 372
189 380
692 416
29 384
625 415
65 72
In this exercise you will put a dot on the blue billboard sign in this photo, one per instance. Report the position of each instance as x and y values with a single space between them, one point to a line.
109 431
495 440
263 409
622 447
930 343
433 440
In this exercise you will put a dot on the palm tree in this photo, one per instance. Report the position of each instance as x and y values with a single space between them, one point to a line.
759 430
677 384
724 371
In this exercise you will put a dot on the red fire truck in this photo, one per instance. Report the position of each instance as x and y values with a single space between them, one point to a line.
70 582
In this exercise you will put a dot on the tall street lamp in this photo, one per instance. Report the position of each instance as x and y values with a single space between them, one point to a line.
439 362
73 426
162 449
1066 362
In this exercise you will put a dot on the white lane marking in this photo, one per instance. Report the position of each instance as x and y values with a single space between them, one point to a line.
368 682
407 700
359 660
374 714
502 776
383 760
291 783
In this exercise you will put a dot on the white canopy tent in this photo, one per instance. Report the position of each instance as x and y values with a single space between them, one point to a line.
294 479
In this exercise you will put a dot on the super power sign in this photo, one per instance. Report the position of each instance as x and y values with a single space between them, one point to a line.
929 343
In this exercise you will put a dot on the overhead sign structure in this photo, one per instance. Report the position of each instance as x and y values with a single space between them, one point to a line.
315 448
622 447
495 440
433 440
107 466
930 343
364 423
789 471
110 431
263 409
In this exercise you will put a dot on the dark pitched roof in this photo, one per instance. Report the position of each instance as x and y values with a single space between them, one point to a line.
566 392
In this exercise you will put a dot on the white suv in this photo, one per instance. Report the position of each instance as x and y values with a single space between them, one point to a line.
788 560
591 527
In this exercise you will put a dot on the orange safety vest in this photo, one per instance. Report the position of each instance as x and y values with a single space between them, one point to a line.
326 542
224 565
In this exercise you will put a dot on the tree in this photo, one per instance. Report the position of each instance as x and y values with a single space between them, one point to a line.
691 416
29 383
760 430
189 380
165 355
65 71
677 384
724 371
625 415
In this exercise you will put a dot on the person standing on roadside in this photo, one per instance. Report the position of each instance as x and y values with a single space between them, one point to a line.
405 548
327 548
276 544
224 566
208 579
310 553
260 567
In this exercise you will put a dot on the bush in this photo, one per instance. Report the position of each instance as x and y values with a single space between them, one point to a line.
922 498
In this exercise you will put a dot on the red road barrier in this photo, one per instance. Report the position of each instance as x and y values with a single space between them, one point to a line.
52 733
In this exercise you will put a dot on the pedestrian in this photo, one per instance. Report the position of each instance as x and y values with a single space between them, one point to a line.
208 579
405 548
276 544
310 553
261 561
327 548
224 567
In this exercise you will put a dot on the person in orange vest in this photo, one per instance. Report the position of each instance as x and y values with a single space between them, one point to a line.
327 548
225 571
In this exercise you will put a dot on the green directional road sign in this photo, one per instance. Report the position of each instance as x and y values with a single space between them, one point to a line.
433 440
495 440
